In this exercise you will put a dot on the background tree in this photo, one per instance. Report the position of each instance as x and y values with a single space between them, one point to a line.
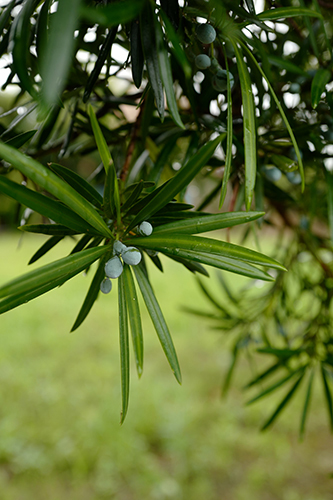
247 118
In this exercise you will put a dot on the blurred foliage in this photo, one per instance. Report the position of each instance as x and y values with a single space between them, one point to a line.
111 90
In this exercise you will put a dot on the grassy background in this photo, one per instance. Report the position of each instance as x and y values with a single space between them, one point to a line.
60 404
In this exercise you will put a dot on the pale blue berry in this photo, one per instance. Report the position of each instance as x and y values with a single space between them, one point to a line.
272 174
202 61
105 286
118 247
205 33
294 177
145 228
113 268
219 80
131 256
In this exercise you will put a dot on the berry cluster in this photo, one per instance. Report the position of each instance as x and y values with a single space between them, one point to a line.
206 34
123 255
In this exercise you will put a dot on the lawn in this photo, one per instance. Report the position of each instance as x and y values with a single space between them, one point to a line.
60 436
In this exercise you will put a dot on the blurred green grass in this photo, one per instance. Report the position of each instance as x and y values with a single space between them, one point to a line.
60 405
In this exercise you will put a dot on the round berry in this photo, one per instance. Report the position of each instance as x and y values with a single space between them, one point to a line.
202 61
131 256
273 174
113 268
118 247
105 286
294 177
219 81
205 33
145 228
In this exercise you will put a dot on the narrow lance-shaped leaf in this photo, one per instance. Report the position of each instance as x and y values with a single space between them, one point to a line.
19 140
166 74
54 185
283 403
249 126
124 348
283 115
158 320
329 179
228 155
52 271
287 12
220 262
79 184
170 189
178 51
54 229
306 404
151 56
91 296
328 394
110 15
134 317
104 52
275 386
208 223
48 245
102 146
20 38
44 205
57 58
321 78
180 241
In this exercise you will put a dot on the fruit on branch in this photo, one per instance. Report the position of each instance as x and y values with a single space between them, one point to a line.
145 228
106 286
113 267
206 33
202 61
131 256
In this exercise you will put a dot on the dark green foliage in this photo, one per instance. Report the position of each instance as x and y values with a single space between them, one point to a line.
233 130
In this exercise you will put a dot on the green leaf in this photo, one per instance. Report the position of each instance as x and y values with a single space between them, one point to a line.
283 115
183 177
134 317
48 245
102 146
57 269
286 13
91 295
13 301
329 180
178 50
20 38
328 394
283 403
158 320
279 62
266 373
54 229
44 205
228 155
83 242
276 385
20 139
151 56
306 404
137 57
249 126
166 74
192 266
177 241
110 15
124 348
208 222
57 187
79 184
103 53
321 78
57 59
228 378
284 163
